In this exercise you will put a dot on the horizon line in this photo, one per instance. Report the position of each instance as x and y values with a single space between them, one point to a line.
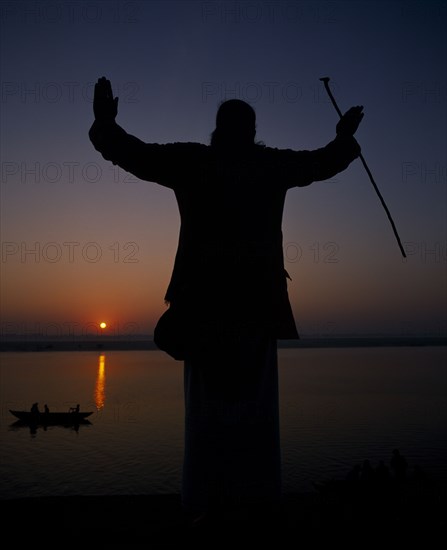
144 343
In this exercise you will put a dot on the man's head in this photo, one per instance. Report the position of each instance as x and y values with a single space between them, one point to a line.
235 125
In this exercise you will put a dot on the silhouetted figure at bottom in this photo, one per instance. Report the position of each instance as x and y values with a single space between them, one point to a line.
353 476
228 298
399 466
382 474
367 472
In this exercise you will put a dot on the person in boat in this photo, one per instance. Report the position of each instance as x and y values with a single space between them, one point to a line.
46 409
35 408
228 299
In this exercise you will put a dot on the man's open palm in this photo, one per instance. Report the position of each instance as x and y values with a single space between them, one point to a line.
105 106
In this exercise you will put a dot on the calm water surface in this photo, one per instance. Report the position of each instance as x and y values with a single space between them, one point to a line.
338 407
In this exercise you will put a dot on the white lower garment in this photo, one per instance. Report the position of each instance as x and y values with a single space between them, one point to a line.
232 440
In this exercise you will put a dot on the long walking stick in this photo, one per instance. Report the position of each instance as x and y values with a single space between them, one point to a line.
325 80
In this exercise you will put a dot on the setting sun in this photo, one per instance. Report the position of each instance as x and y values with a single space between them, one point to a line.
102 325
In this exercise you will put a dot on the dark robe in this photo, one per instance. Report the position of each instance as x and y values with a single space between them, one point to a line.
229 271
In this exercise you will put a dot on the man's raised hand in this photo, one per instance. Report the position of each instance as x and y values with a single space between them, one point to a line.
349 122
105 106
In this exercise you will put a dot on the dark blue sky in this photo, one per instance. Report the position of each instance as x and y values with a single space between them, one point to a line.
171 64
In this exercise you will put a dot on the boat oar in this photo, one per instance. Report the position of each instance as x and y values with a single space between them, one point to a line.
325 80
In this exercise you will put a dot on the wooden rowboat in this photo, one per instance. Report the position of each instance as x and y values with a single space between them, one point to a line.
51 418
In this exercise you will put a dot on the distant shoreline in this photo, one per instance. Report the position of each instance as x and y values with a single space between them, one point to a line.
145 344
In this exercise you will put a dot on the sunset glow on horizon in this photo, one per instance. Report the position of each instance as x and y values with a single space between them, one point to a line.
81 236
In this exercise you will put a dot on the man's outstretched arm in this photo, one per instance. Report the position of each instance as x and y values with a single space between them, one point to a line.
147 161
112 141
300 168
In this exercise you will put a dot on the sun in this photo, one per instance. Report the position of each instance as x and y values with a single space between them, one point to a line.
103 325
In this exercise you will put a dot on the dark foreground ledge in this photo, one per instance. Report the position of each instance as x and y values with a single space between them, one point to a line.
158 521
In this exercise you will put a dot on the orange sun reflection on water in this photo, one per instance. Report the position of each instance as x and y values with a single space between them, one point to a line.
100 386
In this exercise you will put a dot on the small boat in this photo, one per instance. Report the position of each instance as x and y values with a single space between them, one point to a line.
52 418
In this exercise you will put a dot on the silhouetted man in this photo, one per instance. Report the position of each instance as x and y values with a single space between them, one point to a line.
399 466
228 300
